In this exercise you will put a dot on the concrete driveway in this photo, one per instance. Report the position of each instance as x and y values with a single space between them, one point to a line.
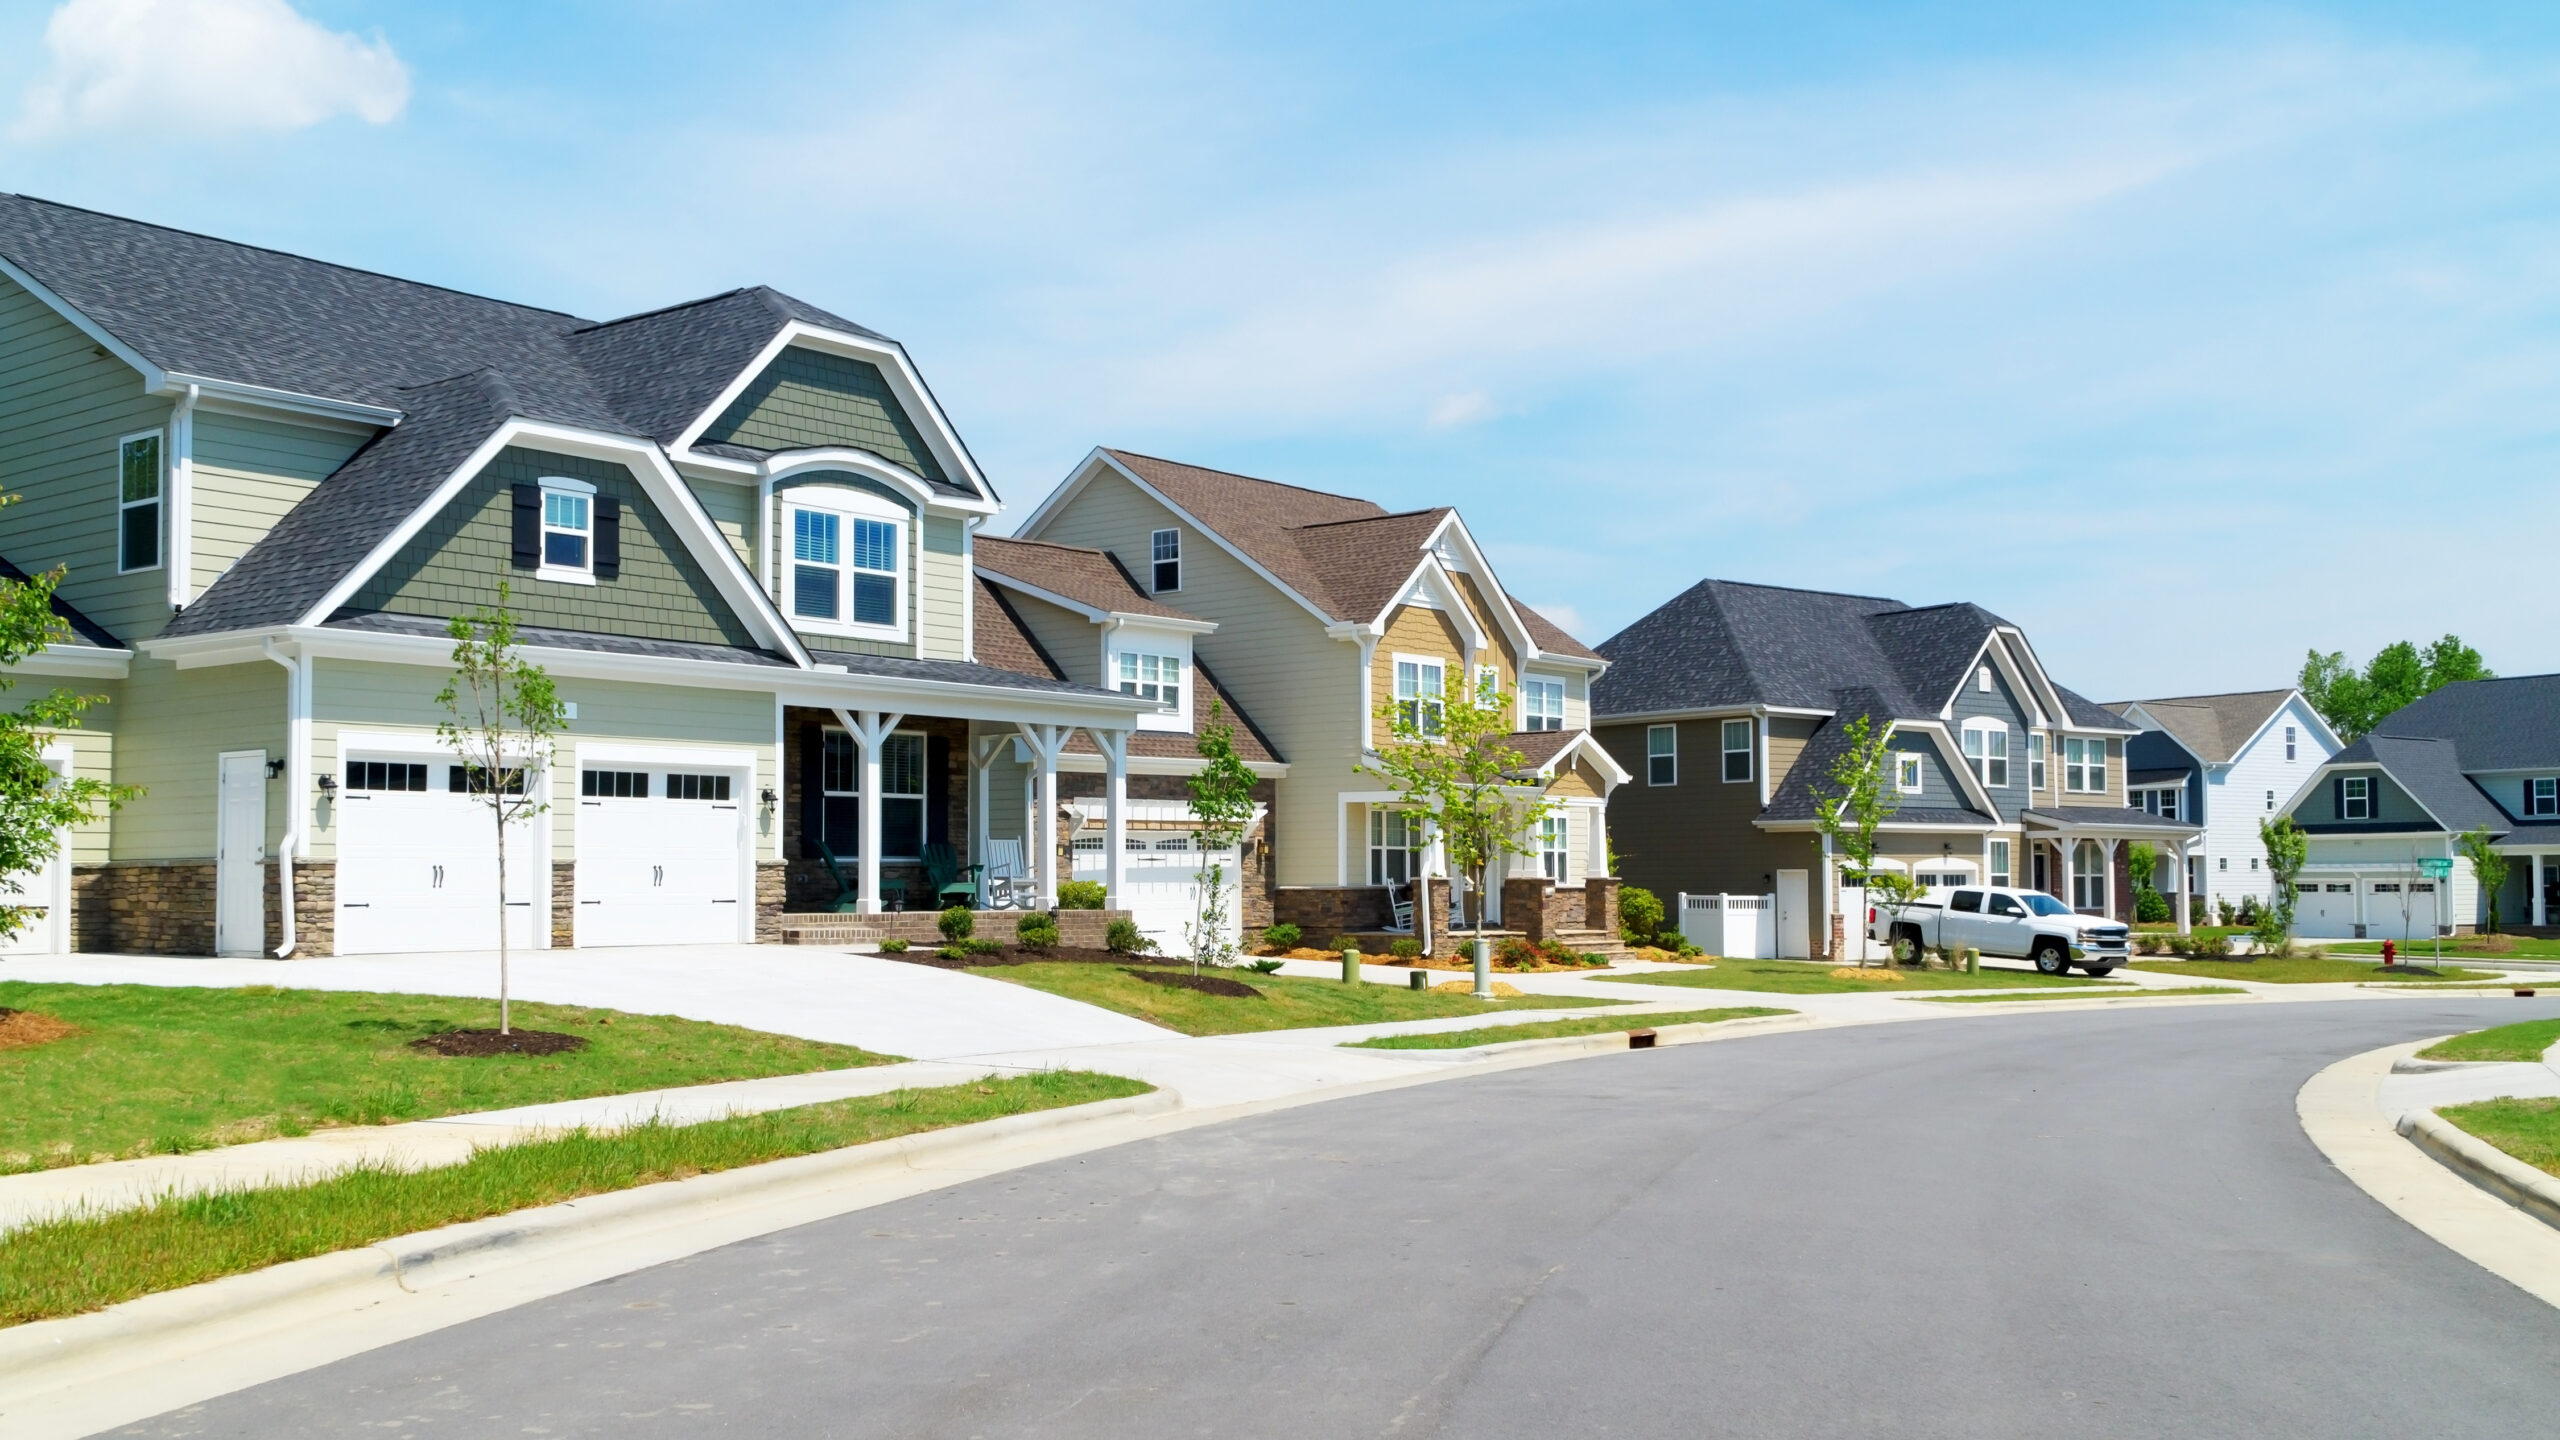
881 1005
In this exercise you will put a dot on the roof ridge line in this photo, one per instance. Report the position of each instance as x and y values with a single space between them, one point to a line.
1370 519
594 325
1802 590
1240 475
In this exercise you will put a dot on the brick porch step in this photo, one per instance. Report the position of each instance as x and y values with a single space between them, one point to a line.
1602 943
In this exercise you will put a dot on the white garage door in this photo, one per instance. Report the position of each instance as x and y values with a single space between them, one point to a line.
1160 886
2325 911
418 863
660 856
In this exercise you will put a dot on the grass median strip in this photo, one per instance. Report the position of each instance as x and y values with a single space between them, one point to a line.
1814 977
81 1263
1279 1002
1554 1029
2529 1130
2110 992
2524 1042
145 1069
2295 970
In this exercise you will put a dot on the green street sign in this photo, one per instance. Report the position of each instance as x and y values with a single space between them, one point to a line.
2435 869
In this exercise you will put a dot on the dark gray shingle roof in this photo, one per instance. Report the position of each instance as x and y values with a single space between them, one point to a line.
2430 769
2511 724
84 631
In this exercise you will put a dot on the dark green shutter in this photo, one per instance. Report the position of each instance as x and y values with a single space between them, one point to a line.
528 518
937 790
813 789
608 538
2338 796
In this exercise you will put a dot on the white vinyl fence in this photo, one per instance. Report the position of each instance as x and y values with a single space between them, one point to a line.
1740 927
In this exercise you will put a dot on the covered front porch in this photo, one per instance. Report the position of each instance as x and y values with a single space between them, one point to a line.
2076 854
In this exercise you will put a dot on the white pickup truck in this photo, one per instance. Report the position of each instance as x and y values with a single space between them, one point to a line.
2020 924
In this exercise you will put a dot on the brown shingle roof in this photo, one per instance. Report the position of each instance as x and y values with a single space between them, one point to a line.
2213 726
1004 641
1360 564
1086 576
1550 636
1256 516
1251 743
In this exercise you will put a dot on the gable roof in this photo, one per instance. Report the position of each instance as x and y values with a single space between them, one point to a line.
2430 769
2508 724
1793 800
1078 573
1551 637
2214 727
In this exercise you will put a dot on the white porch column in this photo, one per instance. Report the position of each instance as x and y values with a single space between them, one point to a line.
2107 878
869 729
1115 803
1597 861
983 750
2065 847
1046 742
2184 926
2537 908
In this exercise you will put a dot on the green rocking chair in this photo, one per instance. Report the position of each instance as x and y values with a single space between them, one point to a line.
893 896
951 882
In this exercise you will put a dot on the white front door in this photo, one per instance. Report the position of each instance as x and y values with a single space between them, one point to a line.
661 856
1795 932
418 862
240 855
47 895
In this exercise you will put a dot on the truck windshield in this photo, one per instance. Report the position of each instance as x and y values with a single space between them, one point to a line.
2047 905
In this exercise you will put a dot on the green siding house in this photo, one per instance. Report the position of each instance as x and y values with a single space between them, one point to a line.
739 533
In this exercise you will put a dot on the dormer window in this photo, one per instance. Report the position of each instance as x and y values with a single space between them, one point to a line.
1164 548
2542 797
568 529
846 573
1152 677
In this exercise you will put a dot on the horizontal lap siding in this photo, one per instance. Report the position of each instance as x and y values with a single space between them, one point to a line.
248 473
942 582
1696 835
92 747
171 730
732 509
1302 688
1071 640
63 406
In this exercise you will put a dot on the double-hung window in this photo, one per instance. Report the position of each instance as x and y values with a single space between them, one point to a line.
2355 797
1395 847
1541 704
568 529
2000 864
1906 772
1661 755
138 502
1164 548
2084 764
1150 677
846 570
1555 841
2035 760
901 796
1421 687
1986 749
1737 751
2288 742
1488 686
2542 796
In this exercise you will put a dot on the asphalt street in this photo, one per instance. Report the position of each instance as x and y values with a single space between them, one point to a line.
2103 1223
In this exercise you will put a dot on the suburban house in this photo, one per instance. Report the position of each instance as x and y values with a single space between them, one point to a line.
738 532
2384 814
2224 762
1324 608
1730 704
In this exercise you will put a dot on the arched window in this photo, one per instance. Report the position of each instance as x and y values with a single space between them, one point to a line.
2089 877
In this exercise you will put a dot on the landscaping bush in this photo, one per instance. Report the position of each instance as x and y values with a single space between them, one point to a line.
2151 907
980 946
1639 915
1036 932
1283 936
1082 895
1405 949
893 946
1342 943
2210 946
1123 937
953 952
1264 967
958 924
1515 952
2222 908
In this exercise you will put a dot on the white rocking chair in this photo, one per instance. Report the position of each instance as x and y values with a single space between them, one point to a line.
1401 911
1010 885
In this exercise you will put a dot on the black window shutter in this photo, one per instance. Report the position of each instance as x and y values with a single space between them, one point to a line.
608 538
937 790
528 527
2338 796
813 786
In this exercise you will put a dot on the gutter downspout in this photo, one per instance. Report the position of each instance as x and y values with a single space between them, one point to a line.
182 498
297 712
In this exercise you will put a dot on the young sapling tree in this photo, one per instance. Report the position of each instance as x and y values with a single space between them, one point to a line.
503 711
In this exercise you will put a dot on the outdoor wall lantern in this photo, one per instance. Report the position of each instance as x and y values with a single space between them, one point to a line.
328 784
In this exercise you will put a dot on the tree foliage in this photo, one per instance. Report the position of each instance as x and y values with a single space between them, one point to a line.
2288 850
36 805
503 712
1222 806
1856 801
2487 866
1449 763
2354 702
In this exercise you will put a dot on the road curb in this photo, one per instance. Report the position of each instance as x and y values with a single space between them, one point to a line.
1606 1042
2484 1165
2341 1111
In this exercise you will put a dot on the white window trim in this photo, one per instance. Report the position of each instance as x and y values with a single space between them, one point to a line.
1907 772
159 502
2348 794
1749 752
2533 808
1527 680
1997 868
2084 765
851 505
1674 757
565 574
1152 561
1438 698
1980 764
1982 680
1164 647
2037 761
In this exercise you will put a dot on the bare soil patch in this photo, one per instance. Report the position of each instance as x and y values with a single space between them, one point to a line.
469 1044
20 1029
1205 984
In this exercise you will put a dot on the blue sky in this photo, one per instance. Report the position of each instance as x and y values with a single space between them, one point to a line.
2187 337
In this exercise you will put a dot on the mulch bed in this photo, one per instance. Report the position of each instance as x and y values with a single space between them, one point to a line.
1205 984
465 1044
1010 955
20 1029
2408 970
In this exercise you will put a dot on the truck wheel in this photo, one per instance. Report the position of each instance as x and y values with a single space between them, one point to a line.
2099 972
1906 945
2052 958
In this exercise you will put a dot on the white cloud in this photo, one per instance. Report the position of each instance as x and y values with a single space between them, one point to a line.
1452 411
222 65
1566 617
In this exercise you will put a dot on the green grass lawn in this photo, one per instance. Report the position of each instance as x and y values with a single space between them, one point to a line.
2527 1129
64 1267
2201 932
1287 1003
2524 1042
1813 977
2516 947
2109 991
2291 970
1550 1029
166 1069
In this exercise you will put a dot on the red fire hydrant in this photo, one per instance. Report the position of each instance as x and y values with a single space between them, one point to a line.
2389 954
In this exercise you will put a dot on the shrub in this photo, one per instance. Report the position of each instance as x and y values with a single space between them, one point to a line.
1639 915
1036 932
1082 895
1122 937
2208 946
1264 967
980 947
957 924
1283 936
1342 943
893 946
1405 949
2222 907
1515 952
953 952
2151 907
